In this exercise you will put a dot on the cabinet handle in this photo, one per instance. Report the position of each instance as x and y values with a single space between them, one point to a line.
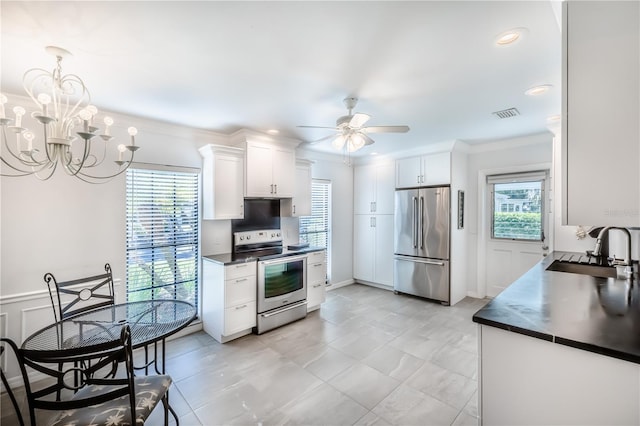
370 222
239 280
294 209
317 285
318 264
276 189
375 206
371 206
240 307
422 178
418 179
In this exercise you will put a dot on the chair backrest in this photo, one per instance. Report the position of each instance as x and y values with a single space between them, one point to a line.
87 293
72 371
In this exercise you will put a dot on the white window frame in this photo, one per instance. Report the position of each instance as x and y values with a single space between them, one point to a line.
541 176
316 200
193 237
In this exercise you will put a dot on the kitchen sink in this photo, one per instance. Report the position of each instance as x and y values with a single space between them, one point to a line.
583 269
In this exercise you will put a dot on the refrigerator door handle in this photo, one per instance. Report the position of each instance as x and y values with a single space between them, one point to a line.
420 260
414 224
421 223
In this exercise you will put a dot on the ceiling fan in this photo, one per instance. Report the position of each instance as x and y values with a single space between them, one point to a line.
351 132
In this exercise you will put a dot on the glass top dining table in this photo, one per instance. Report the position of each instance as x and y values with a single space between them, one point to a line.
150 321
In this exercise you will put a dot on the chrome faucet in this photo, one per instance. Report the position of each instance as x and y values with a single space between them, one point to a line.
604 233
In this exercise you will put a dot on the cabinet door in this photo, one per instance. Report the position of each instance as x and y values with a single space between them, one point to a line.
437 169
363 189
227 201
259 178
385 189
363 247
408 172
302 198
239 318
601 130
383 249
284 171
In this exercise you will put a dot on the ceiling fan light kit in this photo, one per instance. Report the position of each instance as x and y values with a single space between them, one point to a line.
351 131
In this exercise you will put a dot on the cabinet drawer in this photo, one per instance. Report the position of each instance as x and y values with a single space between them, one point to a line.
315 294
239 270
240 290
316 272
316 256
239 318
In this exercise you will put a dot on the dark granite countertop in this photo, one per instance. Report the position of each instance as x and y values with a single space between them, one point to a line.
600 315
230 258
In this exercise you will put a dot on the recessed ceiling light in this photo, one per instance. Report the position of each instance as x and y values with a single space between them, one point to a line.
374 153
273 131
538 90
511 36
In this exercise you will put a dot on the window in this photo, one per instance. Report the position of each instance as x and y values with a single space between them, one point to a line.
518 206
315 229
162 234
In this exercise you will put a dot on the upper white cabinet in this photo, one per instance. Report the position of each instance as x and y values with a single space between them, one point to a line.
222 182
300 204
270 170
601 113
426 170
373 189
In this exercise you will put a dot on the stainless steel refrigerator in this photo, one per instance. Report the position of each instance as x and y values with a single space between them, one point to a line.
422 228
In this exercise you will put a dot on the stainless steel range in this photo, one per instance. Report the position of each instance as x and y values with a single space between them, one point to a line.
282 277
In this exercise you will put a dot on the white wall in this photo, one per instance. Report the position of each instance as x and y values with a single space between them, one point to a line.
72 228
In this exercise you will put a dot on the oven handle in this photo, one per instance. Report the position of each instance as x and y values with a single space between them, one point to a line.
285 259
281 310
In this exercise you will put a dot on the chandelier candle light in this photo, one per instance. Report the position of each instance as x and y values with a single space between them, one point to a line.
63 108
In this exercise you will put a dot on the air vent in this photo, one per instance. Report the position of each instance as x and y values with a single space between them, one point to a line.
507 113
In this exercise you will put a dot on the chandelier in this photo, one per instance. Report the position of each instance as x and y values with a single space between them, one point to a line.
69 132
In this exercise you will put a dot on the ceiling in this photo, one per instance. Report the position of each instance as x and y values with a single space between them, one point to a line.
222 66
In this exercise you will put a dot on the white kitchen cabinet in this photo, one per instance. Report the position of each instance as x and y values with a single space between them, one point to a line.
373 189
228 299
222 182
425 170
529 381
300 204
373 249
601 113
316 279
270 170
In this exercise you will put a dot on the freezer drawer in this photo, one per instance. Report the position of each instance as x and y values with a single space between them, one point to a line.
422 277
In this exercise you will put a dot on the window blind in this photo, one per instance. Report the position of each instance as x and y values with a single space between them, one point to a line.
162 212
315 229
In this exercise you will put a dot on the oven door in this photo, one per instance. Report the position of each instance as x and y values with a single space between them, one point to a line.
281 282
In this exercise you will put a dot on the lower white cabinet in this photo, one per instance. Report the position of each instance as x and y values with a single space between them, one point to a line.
228 299
373 249
528 381
316 279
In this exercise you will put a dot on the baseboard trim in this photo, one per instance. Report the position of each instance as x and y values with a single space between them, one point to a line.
344 283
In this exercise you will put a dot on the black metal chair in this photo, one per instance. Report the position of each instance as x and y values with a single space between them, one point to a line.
87 293
14 401
97 399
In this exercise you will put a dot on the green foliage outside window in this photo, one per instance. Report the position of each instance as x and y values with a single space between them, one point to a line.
520 226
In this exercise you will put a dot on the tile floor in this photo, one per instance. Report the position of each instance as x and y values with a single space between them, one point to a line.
367 357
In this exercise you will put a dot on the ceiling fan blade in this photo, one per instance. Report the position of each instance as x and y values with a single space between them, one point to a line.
358 120
367 139
386 129
321 139
317 127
